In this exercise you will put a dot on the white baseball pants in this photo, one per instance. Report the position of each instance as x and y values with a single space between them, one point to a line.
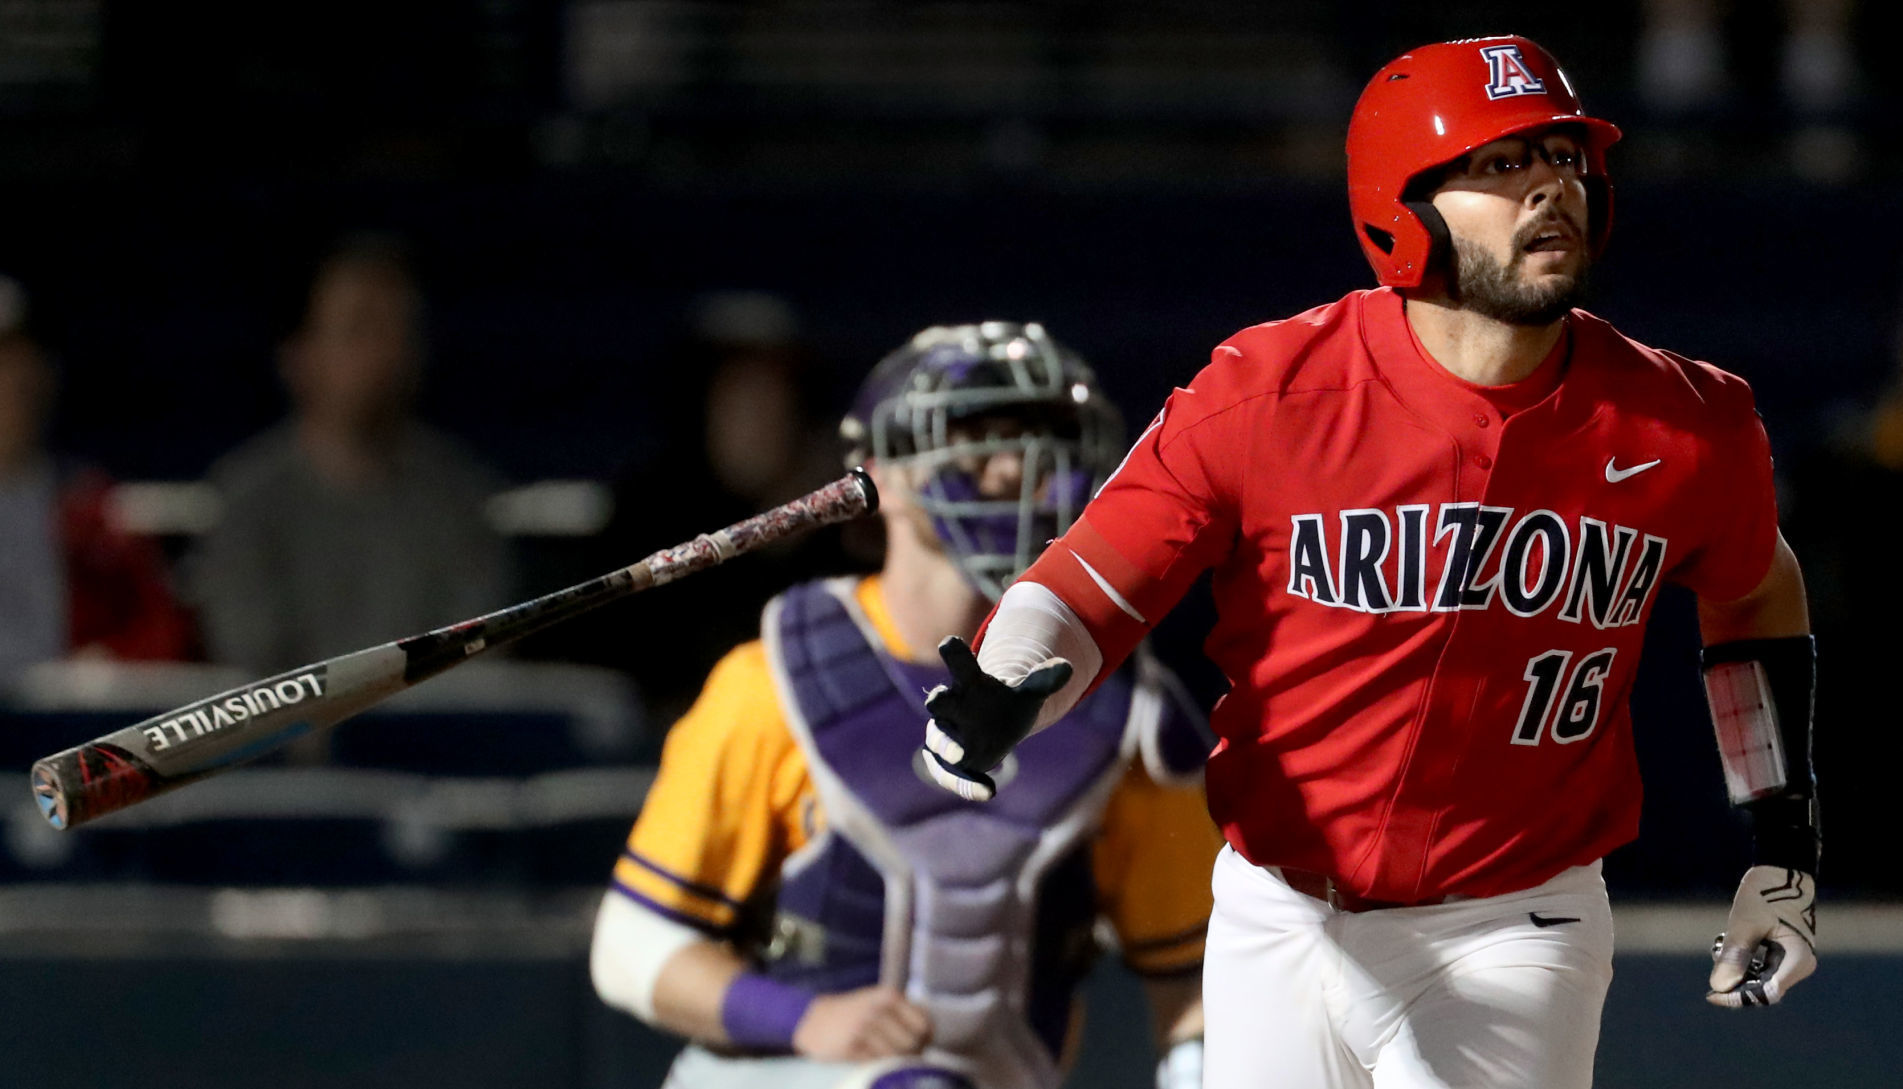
1496 993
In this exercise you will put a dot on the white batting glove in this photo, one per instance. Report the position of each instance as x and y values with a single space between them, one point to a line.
1770 940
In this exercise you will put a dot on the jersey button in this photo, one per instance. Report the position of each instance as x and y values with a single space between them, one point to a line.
1483 461
1481 420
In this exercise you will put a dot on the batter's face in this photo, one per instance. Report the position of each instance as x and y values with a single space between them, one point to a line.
1517 211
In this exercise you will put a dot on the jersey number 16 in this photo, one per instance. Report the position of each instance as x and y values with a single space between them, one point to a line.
1577 712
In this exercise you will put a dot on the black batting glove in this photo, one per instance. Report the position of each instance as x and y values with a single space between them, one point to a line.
978 719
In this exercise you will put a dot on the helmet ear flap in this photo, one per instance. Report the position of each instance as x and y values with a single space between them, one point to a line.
1440 241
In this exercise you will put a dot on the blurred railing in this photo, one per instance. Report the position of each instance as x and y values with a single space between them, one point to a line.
545 508
405 986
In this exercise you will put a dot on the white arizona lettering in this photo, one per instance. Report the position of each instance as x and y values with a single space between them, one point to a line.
1308 574
1596 572
1413 518
1530 562
1644 576
1476 530
1364 547
1521 597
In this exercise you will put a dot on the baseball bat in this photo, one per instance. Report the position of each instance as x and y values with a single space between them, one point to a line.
201 739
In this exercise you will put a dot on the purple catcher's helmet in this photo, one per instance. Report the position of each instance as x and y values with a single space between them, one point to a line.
958 394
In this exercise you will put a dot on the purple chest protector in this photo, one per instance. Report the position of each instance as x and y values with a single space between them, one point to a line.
980 911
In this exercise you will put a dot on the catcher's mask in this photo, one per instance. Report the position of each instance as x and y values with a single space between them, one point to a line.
955 398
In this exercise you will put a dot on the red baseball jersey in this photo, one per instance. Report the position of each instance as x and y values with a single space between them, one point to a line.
1431 595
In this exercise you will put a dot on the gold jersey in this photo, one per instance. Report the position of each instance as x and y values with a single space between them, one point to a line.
733 799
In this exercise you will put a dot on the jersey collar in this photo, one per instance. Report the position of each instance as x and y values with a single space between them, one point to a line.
1437 393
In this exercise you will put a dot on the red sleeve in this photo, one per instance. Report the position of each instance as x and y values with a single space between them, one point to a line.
1165 515
1738 514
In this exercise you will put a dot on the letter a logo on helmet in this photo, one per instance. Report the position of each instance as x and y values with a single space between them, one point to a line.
1509 74
1431 106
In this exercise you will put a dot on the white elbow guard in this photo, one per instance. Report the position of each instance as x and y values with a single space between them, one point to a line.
1032 626
630 947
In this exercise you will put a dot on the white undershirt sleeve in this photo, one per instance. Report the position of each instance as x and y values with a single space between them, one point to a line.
1031 626
630 947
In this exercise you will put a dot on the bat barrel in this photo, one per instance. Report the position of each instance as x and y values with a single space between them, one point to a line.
80 784
203 738
188 743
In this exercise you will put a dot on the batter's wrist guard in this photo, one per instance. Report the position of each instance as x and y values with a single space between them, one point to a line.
1761 693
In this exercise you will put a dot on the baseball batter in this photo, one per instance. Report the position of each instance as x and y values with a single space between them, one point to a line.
1438 515
799 904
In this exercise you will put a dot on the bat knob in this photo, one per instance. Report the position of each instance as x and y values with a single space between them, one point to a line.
46 792
866 488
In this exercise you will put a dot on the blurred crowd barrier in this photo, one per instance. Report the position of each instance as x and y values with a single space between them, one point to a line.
544 508
395 987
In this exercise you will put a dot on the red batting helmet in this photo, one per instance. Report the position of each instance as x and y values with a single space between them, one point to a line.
1437 103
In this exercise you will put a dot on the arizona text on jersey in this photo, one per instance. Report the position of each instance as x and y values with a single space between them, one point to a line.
1384 538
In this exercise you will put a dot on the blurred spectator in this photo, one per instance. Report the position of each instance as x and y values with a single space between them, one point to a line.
350 523
1686 72
1683 66
72 582
751 435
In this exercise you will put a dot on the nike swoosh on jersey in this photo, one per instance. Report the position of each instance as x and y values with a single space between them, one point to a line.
1615 475
1550 920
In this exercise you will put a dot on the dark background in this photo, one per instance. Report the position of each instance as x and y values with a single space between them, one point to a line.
1145 179
1144 182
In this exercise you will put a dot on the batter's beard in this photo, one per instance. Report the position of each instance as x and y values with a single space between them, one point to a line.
1488 288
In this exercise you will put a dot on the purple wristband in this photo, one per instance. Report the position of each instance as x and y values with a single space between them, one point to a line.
760 1013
